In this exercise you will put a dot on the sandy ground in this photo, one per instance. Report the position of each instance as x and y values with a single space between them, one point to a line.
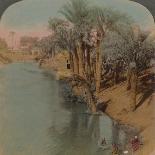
142 119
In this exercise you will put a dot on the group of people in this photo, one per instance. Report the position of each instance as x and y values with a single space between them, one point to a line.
134 143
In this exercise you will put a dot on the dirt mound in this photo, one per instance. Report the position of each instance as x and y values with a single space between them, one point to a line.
143 118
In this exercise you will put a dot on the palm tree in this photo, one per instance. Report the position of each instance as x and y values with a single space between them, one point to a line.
90 26
104 20
77 12
64 39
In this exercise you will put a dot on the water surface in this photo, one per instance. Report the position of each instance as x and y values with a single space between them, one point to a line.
35 119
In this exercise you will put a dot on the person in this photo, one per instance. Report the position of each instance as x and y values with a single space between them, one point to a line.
40 61
135 143
115 150
68 65
103 142
136 139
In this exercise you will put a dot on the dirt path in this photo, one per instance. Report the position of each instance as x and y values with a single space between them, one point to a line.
143 118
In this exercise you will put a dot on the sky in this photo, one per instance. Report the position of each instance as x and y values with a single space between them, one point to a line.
30 17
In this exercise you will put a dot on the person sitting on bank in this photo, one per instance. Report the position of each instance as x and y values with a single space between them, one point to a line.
68 65
102 142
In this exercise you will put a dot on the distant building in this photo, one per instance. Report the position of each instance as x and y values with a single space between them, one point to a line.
27 43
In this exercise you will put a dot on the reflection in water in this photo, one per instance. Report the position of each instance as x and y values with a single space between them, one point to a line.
37 120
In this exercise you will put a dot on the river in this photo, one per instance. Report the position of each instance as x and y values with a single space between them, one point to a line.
35 118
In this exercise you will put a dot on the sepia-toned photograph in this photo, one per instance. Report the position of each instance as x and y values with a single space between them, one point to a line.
77 77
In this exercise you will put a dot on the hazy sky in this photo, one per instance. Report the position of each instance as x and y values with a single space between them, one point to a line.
33 15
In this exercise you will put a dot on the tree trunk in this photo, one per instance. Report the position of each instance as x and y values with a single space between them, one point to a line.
134 79
93 68
80 56
93 107
116 75
88 65
86 61
71 62
98 68
76 63
91 103
86 87
129 79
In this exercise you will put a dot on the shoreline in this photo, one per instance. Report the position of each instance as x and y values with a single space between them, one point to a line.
143 119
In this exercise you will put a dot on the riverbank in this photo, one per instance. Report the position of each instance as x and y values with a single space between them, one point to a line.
58 65
143 119
4 60
45 109
16 56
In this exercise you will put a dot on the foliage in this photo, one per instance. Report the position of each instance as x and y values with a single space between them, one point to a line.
129 47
